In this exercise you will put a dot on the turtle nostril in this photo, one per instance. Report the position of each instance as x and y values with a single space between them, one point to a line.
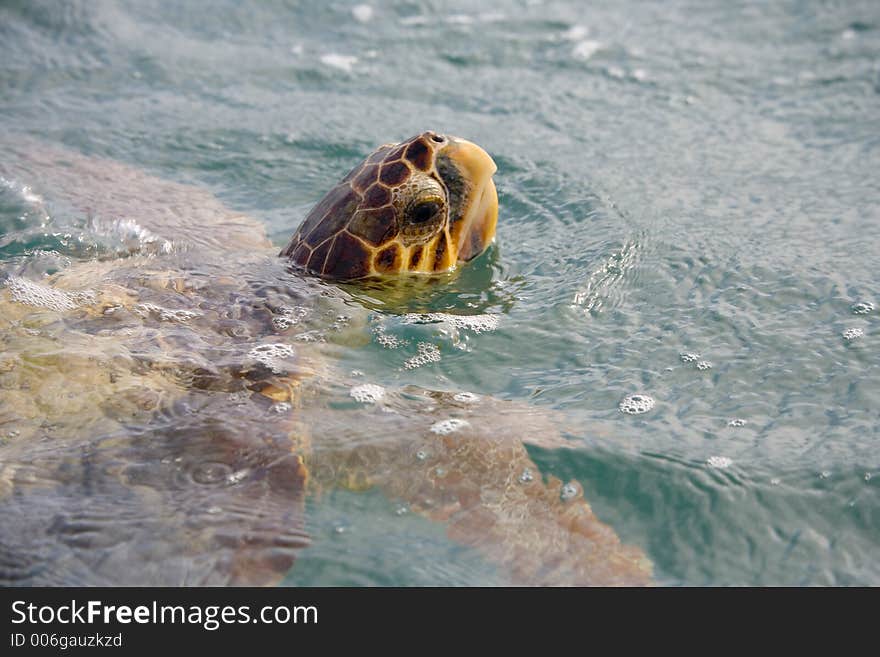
437 138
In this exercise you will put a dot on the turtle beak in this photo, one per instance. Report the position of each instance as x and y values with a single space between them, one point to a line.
474 227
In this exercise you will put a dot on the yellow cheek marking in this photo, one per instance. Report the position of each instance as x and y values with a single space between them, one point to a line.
427 263
427 259
450 256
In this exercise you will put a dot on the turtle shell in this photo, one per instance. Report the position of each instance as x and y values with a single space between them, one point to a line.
164 417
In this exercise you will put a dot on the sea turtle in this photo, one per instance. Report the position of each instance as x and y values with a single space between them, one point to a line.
164 413
419 207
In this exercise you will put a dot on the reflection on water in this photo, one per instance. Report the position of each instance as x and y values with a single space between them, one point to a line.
685 217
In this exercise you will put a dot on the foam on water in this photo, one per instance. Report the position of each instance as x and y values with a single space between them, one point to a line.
585 49
289 316
272 355
451 425
863 308
42 296
367 393
719 462
428 353
476 323
26 194
342 62
164 314
575 33
636 404
570 491
466 398
362 13
310 336
851 334
386 339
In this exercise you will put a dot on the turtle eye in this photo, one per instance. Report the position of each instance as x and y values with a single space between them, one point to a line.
438 138
422 218
424 212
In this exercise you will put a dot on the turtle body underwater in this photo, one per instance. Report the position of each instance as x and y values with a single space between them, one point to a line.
166 413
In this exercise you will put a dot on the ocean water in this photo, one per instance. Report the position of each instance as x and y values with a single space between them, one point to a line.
689 211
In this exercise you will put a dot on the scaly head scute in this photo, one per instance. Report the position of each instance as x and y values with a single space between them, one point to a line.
420 206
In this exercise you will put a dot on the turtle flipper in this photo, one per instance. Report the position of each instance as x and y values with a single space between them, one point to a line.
472 472
191 501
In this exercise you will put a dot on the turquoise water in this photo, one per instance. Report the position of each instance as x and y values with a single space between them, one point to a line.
674 178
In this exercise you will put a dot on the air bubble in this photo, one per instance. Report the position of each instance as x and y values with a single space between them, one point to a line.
164 314
42 296
428 353
342 62
863 308
362 13
476 323
585 49
271 354
236 477
720 462
386 340
689 358
704 365
445 427
422 455
526 476
851 334
775 482
867 476
288 317
401 510
825 474
310 336
568 492
636 404
368 393
210 473
467 398
281 407
737 422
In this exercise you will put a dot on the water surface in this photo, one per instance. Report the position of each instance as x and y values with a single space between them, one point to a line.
674 178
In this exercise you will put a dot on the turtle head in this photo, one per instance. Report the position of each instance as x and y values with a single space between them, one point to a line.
420 206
